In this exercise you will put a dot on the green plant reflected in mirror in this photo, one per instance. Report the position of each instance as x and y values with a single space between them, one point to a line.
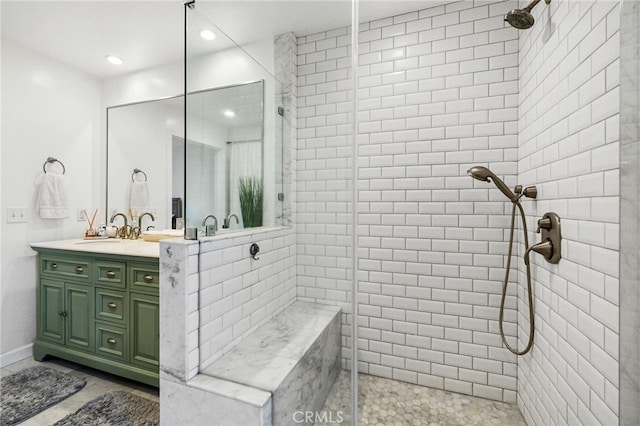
251 195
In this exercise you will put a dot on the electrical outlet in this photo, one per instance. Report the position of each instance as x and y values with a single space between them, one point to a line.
80 215
17 215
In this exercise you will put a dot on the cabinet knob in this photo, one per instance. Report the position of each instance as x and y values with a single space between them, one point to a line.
63 313
111 305
111 274
79 269
111 341
148 278
54 266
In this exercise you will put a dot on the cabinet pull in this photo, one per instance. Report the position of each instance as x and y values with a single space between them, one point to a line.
79 269
111 305
111 274
111 341
54 266
148 278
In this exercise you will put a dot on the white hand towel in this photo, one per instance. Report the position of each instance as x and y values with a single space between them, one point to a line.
52 202
139 198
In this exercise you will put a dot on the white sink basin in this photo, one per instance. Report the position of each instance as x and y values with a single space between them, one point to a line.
161 235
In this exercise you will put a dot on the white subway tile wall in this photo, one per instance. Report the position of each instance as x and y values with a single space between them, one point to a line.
438 93
323 173
237 293
569 147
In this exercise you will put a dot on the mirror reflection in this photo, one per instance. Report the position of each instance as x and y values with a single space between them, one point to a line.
224 158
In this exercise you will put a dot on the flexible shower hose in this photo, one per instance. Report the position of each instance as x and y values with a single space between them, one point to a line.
506 282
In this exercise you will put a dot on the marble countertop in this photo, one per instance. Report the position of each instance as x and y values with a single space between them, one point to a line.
107 246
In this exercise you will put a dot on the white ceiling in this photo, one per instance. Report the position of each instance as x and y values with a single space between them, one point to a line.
150 33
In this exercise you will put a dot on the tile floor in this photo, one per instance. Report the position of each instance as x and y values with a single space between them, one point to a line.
382 401
98 383
393 403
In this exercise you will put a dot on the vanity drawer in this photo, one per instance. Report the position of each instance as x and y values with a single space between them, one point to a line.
112 274
67 267
111 341
111 305
144 276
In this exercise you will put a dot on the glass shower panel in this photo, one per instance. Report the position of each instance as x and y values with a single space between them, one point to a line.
306 134
233 153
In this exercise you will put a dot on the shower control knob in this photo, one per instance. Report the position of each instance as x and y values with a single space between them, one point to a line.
544 223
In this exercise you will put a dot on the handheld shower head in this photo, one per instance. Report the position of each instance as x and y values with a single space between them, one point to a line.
522 18
486 175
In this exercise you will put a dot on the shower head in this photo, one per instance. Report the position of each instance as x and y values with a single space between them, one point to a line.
522 18
486 175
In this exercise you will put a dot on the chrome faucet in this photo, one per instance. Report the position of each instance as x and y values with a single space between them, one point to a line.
227 221
210 230
123 231
140 220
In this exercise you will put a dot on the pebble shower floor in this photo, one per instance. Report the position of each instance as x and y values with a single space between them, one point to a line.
391 402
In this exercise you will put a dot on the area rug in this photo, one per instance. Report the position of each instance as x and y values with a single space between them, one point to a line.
32 390
115 409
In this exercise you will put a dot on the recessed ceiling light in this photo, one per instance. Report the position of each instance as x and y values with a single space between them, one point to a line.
207 34
114 59
229 113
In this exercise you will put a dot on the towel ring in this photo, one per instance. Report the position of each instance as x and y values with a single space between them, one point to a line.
51 160
138 171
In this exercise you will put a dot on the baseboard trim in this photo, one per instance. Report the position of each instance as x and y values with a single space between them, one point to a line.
16 355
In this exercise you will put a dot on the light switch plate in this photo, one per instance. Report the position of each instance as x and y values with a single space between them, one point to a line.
17 215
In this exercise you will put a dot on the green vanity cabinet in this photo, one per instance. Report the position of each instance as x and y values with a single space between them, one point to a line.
100 310
145 310
65 312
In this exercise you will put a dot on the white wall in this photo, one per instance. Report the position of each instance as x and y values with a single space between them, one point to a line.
569 147
438 93
48 109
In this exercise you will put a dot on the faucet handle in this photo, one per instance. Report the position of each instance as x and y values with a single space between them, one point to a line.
125 231
135 233
545 248
544 223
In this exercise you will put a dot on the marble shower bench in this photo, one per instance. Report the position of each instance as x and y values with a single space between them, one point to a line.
289 364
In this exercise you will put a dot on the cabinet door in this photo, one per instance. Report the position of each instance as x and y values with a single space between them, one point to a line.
52 310
145 330
79 307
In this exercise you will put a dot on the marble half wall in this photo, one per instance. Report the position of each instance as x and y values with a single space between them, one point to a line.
179 317
629 219
212 294
286 51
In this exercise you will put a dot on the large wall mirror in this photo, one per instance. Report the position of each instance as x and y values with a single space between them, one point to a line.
225 161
